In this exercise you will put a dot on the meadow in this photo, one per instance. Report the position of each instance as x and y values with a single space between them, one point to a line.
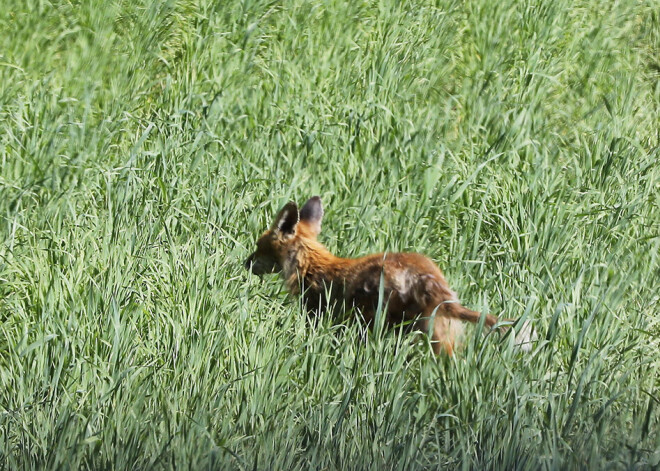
145 145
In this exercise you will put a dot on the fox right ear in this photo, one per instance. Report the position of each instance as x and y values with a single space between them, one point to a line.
287 219
312 214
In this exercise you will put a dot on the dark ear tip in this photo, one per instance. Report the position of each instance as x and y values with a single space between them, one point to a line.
290 206
312 212
287 218
314 200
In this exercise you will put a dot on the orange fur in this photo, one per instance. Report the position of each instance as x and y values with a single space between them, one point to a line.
415 290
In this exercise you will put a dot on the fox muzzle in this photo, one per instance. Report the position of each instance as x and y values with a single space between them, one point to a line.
260 265
249 262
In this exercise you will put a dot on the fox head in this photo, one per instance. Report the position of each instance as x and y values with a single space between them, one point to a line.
288 228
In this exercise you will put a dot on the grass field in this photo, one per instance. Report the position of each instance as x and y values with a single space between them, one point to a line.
145 145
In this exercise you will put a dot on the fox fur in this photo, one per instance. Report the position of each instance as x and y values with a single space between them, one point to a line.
414 289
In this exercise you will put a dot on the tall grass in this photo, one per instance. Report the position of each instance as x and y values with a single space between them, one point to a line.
144 146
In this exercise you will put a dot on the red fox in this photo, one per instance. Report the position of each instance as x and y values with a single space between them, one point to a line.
414 289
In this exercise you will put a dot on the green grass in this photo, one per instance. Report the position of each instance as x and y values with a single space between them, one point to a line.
145 145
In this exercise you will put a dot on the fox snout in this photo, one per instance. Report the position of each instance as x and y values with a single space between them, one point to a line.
248 262
260 265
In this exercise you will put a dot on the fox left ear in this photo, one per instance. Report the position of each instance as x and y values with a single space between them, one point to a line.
312 214
287 219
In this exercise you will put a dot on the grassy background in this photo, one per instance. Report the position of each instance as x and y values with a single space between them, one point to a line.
144 145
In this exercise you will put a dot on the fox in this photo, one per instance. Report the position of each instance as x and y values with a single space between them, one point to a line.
413 290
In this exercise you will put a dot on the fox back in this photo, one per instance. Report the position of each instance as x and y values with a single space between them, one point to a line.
415 291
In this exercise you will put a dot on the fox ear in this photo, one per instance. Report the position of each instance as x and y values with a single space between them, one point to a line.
287 219
312 214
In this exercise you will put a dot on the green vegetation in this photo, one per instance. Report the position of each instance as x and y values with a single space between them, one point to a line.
145 145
